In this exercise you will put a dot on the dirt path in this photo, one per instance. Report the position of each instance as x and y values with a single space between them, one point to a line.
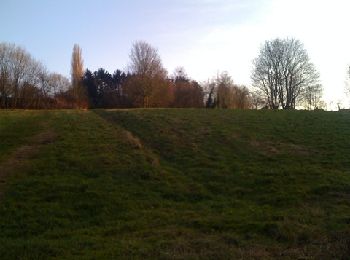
21 156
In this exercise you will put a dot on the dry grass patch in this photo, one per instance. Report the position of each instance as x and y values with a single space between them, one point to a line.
20 157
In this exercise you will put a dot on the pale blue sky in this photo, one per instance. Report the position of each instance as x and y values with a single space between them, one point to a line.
204 36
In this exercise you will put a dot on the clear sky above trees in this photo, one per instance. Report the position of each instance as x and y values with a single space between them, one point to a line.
204 36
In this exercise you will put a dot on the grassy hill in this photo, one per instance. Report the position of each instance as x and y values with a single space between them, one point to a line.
174 184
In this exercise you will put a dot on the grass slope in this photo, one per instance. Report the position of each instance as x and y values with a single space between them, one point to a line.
174 184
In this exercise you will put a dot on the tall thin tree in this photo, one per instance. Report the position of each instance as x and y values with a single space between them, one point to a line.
77 73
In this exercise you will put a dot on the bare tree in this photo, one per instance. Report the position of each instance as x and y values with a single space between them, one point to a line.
148 87
257 99
57 83
15 66
209 93
312 96
145 60
77 72
5 84
241 97
230 95
224 99
282 71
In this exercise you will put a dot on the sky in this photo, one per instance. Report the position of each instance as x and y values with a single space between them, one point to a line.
205 37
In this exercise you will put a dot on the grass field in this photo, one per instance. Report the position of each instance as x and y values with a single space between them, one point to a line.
174 184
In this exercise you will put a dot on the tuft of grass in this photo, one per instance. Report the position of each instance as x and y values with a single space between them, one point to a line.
175 184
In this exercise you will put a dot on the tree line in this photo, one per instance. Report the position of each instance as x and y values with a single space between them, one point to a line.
283 78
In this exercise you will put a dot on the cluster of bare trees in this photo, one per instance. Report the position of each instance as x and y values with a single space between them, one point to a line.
223 93
283 77
25 82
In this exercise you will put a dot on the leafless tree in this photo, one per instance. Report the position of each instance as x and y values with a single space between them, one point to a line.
257 99
224 84
312 96
282 71
5 80
145 60
148 87
57 83
230 95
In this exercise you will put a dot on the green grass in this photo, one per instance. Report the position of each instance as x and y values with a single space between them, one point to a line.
175 184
